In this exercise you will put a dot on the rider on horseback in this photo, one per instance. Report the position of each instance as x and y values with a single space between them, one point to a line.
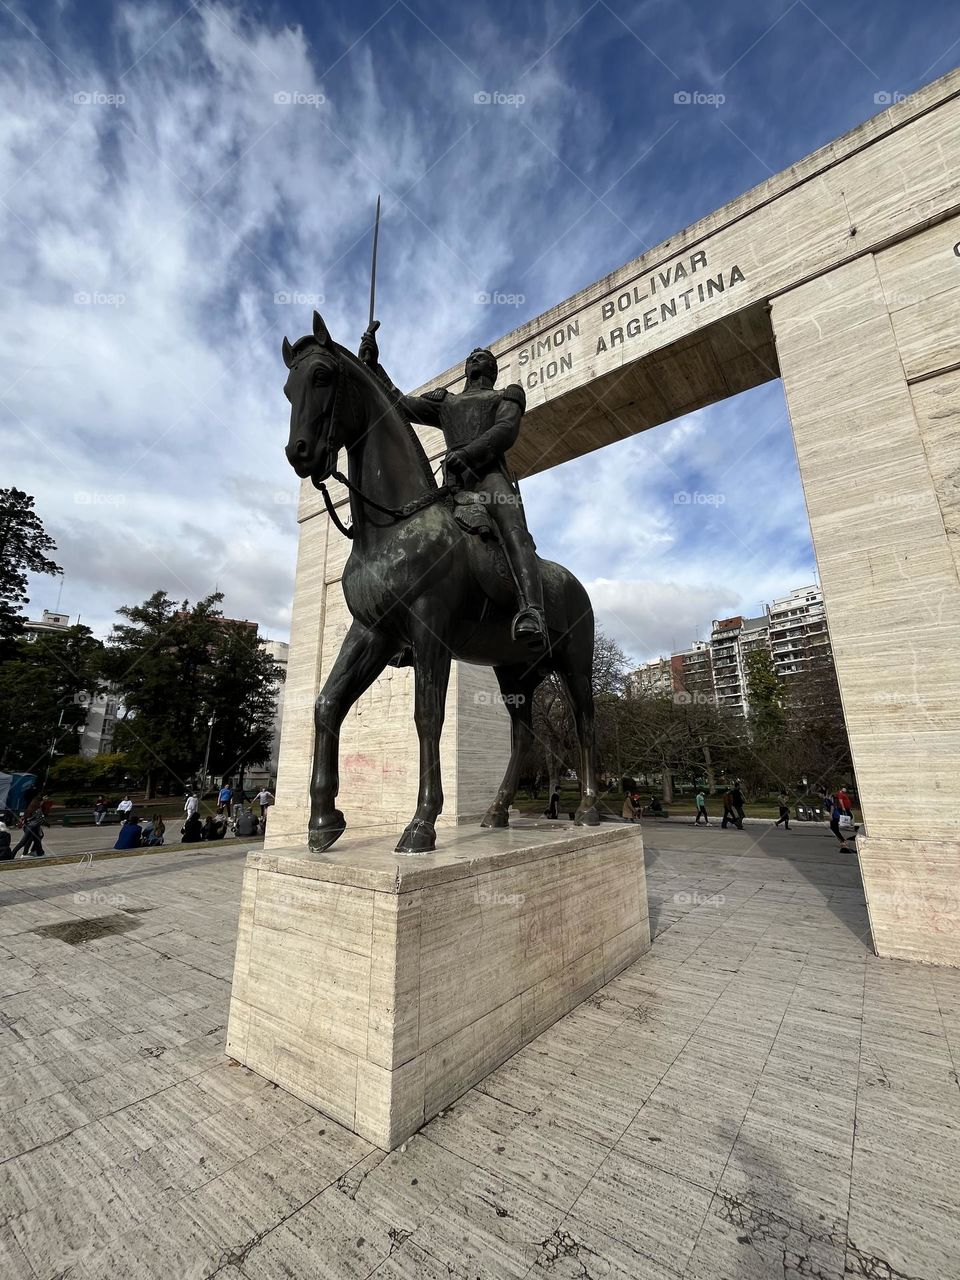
479 425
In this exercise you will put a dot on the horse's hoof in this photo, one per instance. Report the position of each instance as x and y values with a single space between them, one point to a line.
418 837
587 817
495 818
327 831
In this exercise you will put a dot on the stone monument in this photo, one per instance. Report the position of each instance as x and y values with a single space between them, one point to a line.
377 986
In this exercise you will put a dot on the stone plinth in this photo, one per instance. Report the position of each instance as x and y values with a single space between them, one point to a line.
379 988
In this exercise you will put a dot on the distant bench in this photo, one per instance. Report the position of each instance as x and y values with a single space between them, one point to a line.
85 818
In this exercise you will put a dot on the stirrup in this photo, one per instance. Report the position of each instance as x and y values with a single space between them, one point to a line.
529 627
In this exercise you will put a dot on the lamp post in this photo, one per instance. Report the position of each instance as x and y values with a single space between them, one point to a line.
206 759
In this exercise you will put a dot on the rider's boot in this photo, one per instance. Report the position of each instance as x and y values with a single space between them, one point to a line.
529 625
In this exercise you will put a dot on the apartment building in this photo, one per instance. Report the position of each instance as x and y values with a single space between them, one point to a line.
798 630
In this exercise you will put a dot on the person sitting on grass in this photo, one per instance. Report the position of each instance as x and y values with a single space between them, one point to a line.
246 824
130 833
153 830
212 829
192 830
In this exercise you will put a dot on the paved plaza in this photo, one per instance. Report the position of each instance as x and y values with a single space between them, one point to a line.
758 1096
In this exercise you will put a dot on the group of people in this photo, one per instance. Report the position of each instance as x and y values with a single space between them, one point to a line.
134 836
634 808
733 808
839 805
231 805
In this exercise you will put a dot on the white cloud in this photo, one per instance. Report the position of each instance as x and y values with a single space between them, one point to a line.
183 211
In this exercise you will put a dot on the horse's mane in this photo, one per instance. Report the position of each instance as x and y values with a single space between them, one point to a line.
382 389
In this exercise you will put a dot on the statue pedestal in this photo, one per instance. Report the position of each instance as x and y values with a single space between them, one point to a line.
379 988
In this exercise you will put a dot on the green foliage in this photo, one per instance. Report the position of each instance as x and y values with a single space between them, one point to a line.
176 668
90 772
766 695
45 686
23 548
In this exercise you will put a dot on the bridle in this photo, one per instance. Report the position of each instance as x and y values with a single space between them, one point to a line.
395 513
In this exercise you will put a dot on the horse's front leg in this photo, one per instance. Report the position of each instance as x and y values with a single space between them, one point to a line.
362 657
431 676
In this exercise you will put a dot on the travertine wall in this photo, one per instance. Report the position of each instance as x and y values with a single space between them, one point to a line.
866 354
380 988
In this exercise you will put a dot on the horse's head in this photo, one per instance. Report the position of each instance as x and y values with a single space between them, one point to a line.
313 386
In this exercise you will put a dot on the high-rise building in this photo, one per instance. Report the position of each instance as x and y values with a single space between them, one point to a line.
693 670
732 641
798 630
651 678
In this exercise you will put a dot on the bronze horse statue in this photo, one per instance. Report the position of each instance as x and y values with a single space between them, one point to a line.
422 588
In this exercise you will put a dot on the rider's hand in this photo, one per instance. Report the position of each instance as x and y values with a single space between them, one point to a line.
454 465
369 352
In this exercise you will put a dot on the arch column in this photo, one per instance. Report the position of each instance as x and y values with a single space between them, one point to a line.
869 355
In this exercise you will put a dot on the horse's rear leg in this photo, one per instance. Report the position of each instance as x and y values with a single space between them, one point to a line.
517 686
362 657
579 689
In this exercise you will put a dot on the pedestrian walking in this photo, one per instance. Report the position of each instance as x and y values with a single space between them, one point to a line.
100 810
737 795
730 812
553 808
191 805
31 842
701 809
843 802
224 799
265 799
836 813
783 803
41 804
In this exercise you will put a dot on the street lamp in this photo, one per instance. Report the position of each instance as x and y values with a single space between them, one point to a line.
206 759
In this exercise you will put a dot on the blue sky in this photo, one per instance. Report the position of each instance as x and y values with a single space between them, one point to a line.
160 199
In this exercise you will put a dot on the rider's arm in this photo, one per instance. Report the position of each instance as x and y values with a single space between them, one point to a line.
424 409
502 435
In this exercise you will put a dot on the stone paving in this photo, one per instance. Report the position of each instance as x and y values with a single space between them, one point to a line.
758 1096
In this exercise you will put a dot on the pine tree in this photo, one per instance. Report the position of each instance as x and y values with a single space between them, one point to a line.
23 547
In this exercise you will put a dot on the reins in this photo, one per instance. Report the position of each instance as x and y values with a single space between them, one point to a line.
395 513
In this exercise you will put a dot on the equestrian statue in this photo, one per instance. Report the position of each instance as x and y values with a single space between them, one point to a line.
436 571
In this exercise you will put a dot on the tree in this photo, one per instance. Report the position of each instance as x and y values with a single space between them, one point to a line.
817 728
23 547
46 686
156 660
89 772
177 667
553 726
243 686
